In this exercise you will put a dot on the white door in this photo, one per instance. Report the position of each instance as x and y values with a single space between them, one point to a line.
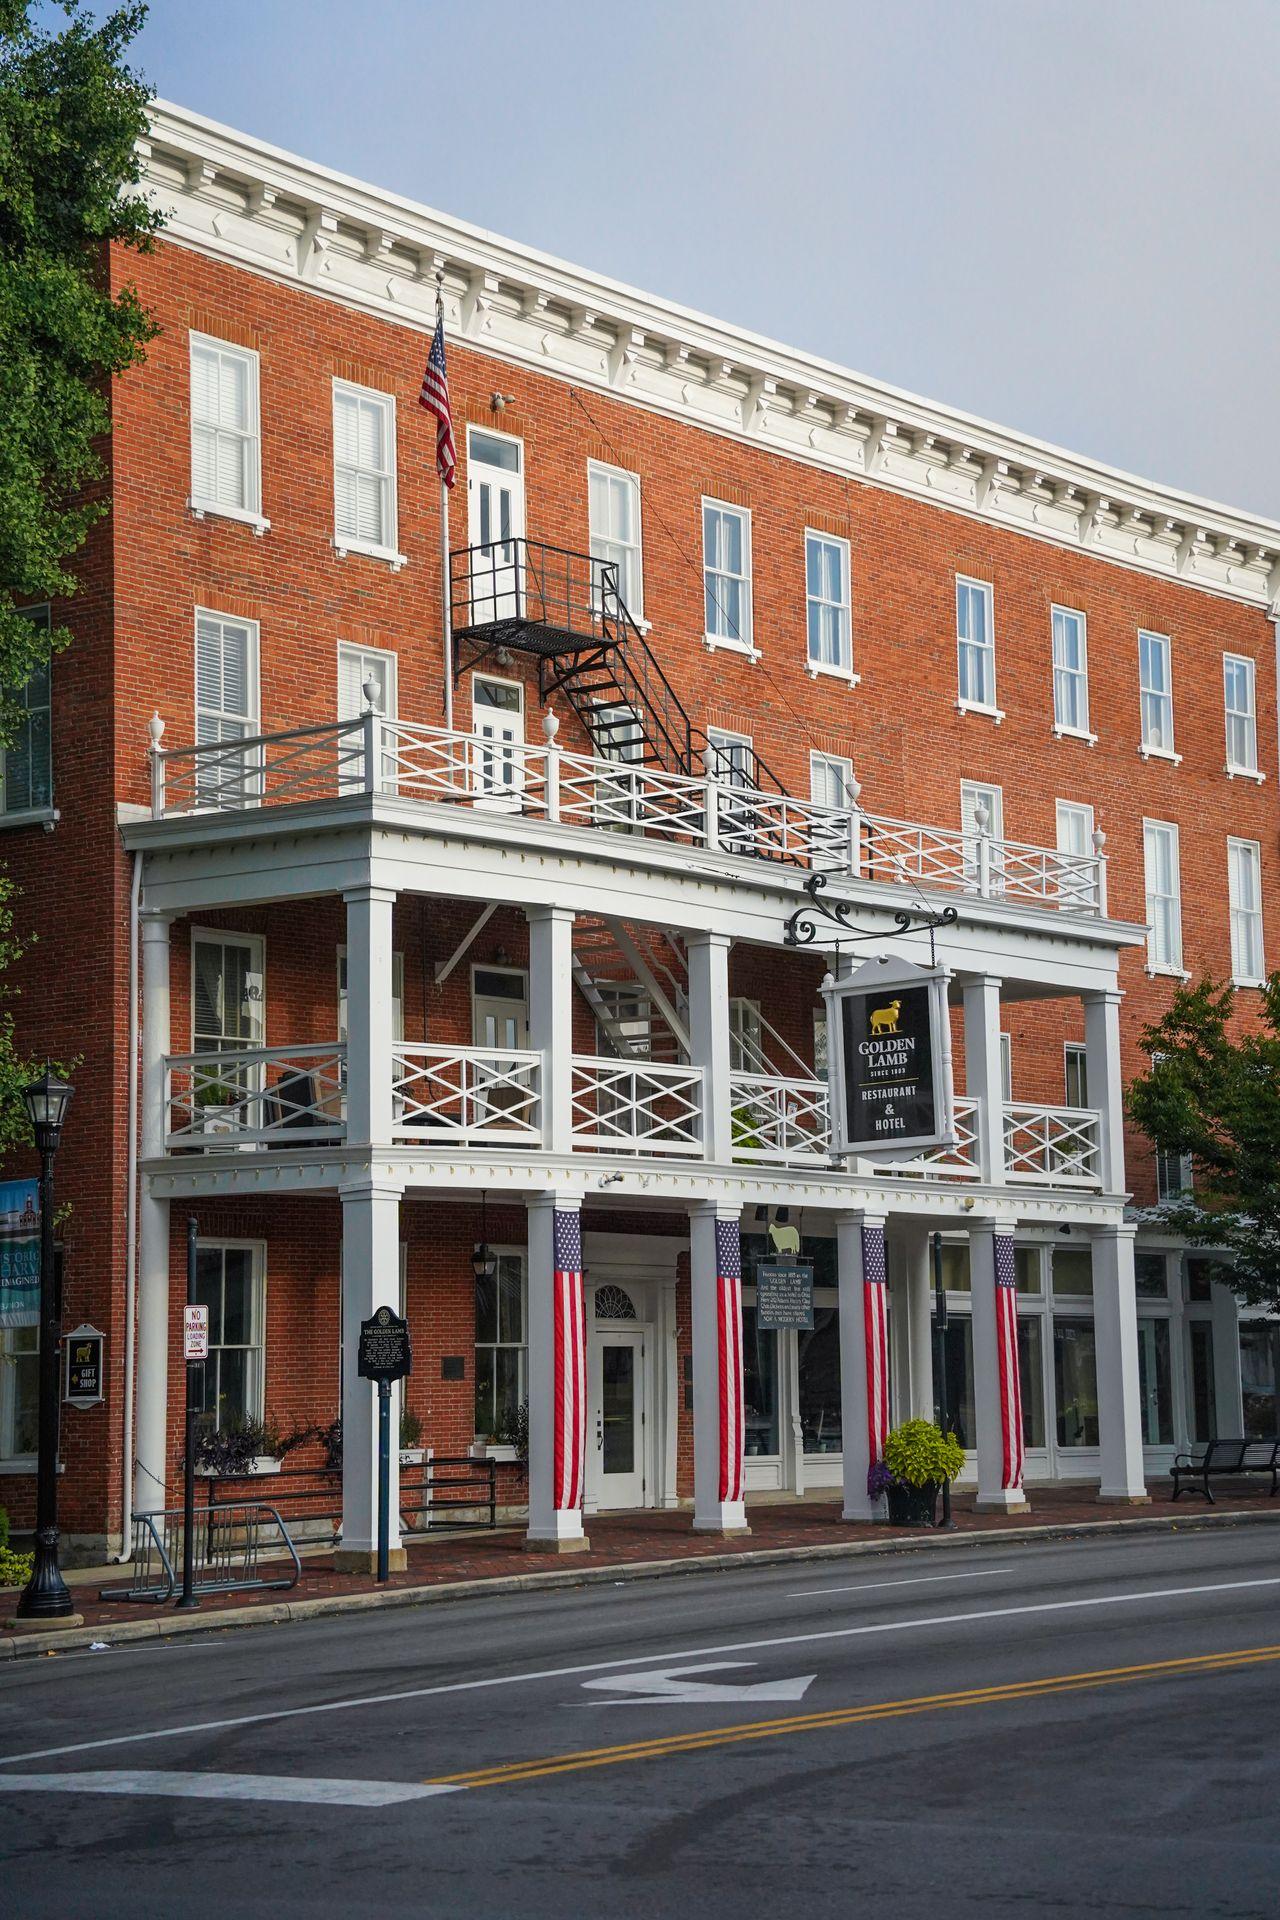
615 1420
495 522
497 761
499 1007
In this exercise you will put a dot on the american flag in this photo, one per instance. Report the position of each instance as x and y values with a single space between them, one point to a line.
1007 1354
875 1324
435 398
729 1332
570 1360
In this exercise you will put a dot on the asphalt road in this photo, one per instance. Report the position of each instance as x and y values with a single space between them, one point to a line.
1062 1728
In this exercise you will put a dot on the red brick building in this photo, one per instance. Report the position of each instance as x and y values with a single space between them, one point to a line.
418 970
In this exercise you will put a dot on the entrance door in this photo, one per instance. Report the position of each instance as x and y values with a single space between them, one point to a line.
495 522
497 721
499 1007
616 1424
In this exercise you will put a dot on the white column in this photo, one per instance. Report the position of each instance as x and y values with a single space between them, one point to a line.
370 1279
709 1039
1106 1088
917 1255
1228 1391
557 1376
1115 1333
864 1415
551 1019
997 1400
715 1280
369 1016
983 1078
152 1442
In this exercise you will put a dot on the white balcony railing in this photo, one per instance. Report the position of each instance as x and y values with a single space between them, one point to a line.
956 1163
255 1096
456 1095
1052 1146
372 755
636 1106
783 1122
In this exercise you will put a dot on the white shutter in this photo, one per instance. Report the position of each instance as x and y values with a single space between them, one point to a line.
204 407
350 679
225 703
345 456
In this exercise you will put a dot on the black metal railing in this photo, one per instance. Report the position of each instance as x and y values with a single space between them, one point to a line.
434 1494
543 598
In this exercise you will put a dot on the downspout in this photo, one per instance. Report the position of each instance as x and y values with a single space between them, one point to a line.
130 1224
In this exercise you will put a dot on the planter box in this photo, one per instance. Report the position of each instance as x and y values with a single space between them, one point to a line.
913 1506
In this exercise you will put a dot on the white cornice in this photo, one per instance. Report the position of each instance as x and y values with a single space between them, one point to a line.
242 200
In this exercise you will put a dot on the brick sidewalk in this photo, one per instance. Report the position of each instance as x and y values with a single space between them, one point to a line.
628 1539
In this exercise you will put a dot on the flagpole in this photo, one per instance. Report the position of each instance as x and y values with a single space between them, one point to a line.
446 609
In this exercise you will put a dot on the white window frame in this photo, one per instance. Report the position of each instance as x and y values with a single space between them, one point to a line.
1064 675
744 643
1242 975
966 702
251 720
46 811
1171 966
199 505
841 669
499 1449
351 774
1075 1065
976 790
1150 749
842 766
343 544
1006 1067
257 1250
257 946
633 600
1248 716
11 1354
1065 810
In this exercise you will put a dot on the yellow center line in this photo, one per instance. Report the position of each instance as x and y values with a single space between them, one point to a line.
697 1741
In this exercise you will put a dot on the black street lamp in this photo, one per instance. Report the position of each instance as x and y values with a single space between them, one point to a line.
45 1595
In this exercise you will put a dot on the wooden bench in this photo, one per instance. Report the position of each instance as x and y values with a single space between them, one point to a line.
1225 1457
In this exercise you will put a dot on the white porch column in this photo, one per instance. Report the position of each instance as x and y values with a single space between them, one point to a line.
715 1282
1115 1333
1106 1089
370 1279
983 1078
369 1016
152 1435
997 1392
557 1375
551 1019
709 1039
917 1258
862 1284
1228 1390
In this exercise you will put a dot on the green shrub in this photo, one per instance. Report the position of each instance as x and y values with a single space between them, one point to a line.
919 1452
15 1568
4 1528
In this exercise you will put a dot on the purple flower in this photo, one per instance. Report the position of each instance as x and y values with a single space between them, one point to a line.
879 1479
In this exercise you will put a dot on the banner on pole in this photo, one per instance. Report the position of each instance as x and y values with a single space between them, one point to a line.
19 1253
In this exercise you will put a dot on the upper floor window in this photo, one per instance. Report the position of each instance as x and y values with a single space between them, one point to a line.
726 574
1239 692
1070 672
1164 896
1244 889
976 643
826 574
226 703
614 511
982 819
1075 1060
831 779
226 445
1155 678
26 764
364 470
1075 827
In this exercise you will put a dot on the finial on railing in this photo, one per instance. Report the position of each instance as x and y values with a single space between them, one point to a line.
981 815
370 689
155 727
1099 841
551 725
853 787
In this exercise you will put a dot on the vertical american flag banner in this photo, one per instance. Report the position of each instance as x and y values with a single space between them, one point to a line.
1012 1460
875 1319
729 1349
434 396
570 1360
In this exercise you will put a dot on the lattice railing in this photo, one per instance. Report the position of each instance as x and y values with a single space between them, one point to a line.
956 858
1052 1146
456 1095
263 1096
636 1106
955 1163
784 1122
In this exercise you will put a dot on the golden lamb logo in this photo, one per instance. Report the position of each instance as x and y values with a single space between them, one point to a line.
885 1019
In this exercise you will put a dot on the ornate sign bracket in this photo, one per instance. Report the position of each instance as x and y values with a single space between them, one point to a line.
803 928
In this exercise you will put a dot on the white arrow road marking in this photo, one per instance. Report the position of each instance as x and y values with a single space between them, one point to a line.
666 1684
227 1786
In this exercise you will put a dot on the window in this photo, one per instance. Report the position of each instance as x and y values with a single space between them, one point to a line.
613 505
364 470
226 448
617 736
1155 1382
1244 891
1238 682
1164 900
1075 827
1155 679
830 780
1072 1269
1076 1074
990 800
746 1045
1173 1175
227 1018
1075 1377
1070 673
19 1392
826 573
26 765
1006 1067
226 705
1150 1275
356 665
818 1368
726 574
229 1284
975 639
731 761
500 1346
759 1385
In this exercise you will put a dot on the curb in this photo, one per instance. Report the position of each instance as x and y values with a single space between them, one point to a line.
282 1612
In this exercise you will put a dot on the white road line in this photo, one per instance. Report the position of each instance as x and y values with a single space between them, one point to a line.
355 1701
918 1580
229 1786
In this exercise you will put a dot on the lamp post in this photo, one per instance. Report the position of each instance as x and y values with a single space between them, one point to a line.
45 1595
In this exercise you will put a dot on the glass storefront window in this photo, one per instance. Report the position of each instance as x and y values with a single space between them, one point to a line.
1150 1276
1201 1274
1028 1271
1258 1358
955 1266
1155 1384
1204 1416
958 1362
1031 1378
819 1358
759 1385
1075 1377
1073 1271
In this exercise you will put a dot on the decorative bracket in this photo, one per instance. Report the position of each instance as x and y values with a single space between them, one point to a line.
802 929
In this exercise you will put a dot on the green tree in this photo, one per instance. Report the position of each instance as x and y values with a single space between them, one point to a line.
1213 1094
71 113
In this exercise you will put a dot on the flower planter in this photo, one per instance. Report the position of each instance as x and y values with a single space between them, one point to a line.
912 1506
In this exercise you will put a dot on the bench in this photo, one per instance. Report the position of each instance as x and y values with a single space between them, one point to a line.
1225 1457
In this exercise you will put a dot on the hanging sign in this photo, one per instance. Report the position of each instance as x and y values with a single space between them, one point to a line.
19 1253
891 1059
82 1366
784 1294
383 1353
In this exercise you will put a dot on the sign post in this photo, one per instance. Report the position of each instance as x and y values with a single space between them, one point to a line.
384 1355
891 1059
944 1411
195 1350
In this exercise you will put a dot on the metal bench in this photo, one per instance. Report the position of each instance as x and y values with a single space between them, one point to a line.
1225 1458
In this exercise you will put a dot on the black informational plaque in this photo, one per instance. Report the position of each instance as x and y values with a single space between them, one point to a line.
784 1294
383 1352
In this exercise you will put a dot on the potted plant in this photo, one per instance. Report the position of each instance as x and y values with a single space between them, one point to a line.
918 1459
412 1452
244 1446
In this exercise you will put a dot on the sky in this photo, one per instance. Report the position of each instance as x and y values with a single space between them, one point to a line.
1062 215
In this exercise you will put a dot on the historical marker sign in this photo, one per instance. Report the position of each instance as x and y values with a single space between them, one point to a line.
893 1059
384 1353
784 1294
